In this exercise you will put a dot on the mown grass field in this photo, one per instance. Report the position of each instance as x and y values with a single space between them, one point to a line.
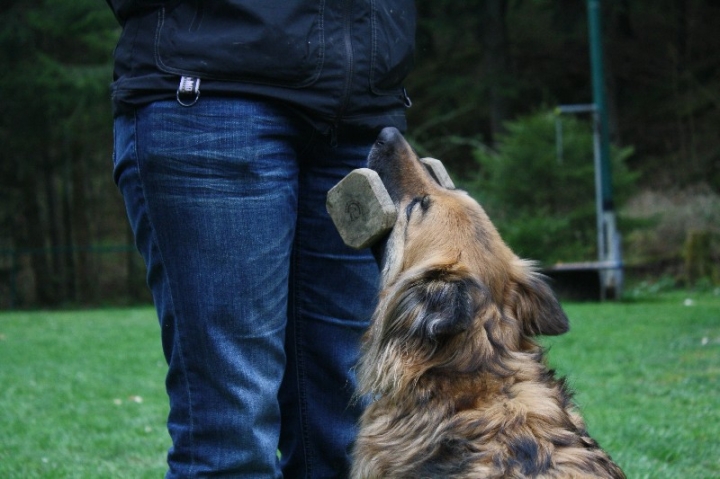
82 392
82 395
647 376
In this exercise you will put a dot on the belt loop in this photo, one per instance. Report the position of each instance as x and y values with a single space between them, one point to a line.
188 86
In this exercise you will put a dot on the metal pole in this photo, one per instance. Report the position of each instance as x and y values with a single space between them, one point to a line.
608 236
598 85
599 197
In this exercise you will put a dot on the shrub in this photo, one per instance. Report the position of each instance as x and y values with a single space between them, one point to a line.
681 227
544 203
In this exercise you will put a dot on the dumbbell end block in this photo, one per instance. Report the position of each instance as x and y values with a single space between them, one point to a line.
361 208
438 172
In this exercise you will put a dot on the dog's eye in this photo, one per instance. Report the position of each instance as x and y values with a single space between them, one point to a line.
409 208
423 201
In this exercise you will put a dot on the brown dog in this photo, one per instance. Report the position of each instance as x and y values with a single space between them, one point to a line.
458 387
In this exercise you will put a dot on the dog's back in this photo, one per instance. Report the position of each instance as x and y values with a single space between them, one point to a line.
451 425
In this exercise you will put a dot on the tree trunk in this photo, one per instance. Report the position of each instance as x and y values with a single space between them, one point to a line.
68 254
496 62
85 277
32 237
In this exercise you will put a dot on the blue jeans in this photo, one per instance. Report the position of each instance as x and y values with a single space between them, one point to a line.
261 305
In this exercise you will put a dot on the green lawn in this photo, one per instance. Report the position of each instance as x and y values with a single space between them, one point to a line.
83 397
647 376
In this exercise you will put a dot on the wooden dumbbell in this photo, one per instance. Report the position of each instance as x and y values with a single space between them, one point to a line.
362 209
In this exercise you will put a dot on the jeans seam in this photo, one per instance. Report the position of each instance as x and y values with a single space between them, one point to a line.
176 345
299 332
300 360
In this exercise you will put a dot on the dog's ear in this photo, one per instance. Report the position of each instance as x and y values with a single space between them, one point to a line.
537 308
439 302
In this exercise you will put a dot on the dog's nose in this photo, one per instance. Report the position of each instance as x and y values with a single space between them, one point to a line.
387 135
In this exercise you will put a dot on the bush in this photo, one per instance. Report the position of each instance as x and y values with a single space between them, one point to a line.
543 203
681 227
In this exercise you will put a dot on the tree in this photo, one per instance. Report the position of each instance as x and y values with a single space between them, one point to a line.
53 90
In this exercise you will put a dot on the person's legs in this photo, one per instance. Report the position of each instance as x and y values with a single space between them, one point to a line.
211 193
333 291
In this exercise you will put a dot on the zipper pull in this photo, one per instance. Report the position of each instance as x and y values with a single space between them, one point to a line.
188 86
406 98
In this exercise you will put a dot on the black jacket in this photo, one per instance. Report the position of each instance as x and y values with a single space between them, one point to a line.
337 61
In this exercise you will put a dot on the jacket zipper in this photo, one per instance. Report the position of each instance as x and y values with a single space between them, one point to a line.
350 64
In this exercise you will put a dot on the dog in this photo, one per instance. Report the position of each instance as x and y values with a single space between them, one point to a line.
455 383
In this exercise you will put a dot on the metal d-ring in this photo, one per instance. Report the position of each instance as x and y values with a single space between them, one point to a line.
188 85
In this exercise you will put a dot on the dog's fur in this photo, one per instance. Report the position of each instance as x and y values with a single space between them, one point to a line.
457 386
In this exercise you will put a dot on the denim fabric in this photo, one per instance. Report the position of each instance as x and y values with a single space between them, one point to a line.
260 304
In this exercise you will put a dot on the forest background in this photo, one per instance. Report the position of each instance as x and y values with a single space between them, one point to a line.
488 78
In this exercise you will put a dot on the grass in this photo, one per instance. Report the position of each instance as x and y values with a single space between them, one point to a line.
83 397
647 376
